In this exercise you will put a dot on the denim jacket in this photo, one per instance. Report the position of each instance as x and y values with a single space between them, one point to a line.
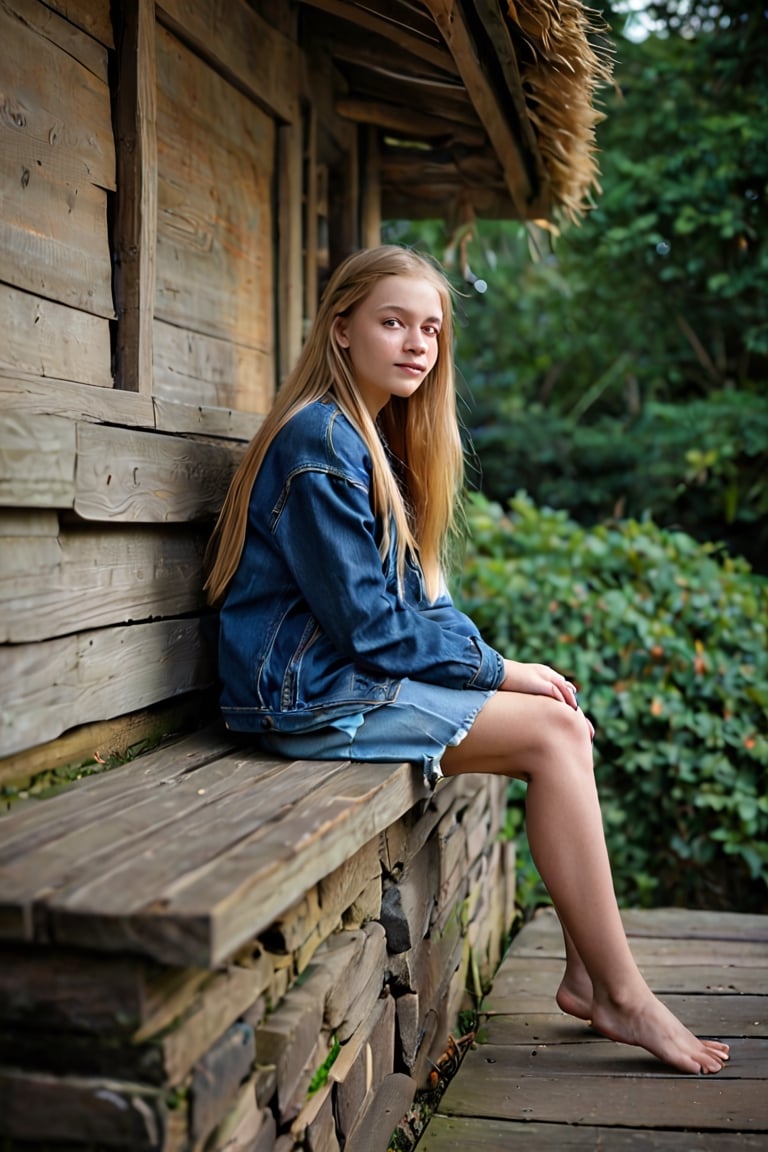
312 627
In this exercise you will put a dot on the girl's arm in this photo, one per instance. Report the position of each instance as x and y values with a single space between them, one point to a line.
326 532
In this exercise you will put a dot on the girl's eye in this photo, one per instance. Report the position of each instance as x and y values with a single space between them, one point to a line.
391 322
431 330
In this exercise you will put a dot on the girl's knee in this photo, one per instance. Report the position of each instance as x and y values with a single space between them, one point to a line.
566 737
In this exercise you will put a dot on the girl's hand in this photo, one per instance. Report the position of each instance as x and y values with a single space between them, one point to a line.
541 680
538 680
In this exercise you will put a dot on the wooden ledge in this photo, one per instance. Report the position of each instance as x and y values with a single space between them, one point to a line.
186 854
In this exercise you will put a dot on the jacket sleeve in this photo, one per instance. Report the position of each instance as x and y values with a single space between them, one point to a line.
326 532
444 612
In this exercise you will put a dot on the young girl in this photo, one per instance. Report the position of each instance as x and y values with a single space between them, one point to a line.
339 640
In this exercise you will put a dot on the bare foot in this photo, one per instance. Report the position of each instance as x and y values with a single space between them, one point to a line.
647 1023
575 994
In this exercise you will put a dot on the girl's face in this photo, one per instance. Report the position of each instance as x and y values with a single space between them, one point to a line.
391 338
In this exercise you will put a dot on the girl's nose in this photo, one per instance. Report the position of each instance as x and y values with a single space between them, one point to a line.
416 340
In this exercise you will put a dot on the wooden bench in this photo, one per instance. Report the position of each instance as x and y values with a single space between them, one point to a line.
185 939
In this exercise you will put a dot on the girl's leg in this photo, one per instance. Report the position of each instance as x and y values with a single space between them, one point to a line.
575 994
546 743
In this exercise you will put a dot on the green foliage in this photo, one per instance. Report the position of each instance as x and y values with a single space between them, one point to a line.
668 642
622 364
702 467
320 1077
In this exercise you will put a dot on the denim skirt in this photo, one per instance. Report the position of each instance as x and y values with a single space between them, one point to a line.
417 726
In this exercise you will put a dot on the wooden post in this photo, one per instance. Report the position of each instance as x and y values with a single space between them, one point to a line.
290 272
136 216
371 191
309 178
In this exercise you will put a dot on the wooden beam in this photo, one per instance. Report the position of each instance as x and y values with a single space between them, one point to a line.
255 57
344 41
136 219
27 392
407 121
449 17
362 18
498 31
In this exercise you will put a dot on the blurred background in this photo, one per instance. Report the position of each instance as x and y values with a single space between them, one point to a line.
614 393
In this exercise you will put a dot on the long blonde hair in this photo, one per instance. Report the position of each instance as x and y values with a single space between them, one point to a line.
421 431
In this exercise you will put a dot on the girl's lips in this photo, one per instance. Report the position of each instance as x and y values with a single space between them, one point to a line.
414 368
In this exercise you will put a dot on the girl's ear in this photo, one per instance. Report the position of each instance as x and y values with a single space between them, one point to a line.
340 331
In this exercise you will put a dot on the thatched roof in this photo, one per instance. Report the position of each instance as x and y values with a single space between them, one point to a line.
483 107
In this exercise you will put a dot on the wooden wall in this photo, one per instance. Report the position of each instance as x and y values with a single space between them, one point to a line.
165 227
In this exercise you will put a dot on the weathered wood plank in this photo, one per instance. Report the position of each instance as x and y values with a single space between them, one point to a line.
55 988
544 1075
215 232
44 338
539 982
79 849
191 871
37 461
59 989
69 113
246 1127
204 371
65 33
93 16
526 1022
56 159
54 229
389 1105
17 522
472 1134
208 1009
128 475
110 739
135 230
690 924
660 933
245 890
251 53
217 1077
661 951
89 800
36 1106
88 843
51 586
492 1083
31 393
222 423
54 685
166 837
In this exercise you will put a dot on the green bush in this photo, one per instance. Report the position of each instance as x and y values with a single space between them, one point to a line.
667 640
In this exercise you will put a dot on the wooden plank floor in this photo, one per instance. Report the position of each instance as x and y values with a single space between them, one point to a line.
539 1081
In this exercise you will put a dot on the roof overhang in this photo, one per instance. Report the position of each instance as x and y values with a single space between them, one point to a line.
483 107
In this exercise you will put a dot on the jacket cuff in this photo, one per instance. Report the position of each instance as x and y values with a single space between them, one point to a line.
491 671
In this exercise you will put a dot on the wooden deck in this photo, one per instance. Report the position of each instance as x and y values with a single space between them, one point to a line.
538 1081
